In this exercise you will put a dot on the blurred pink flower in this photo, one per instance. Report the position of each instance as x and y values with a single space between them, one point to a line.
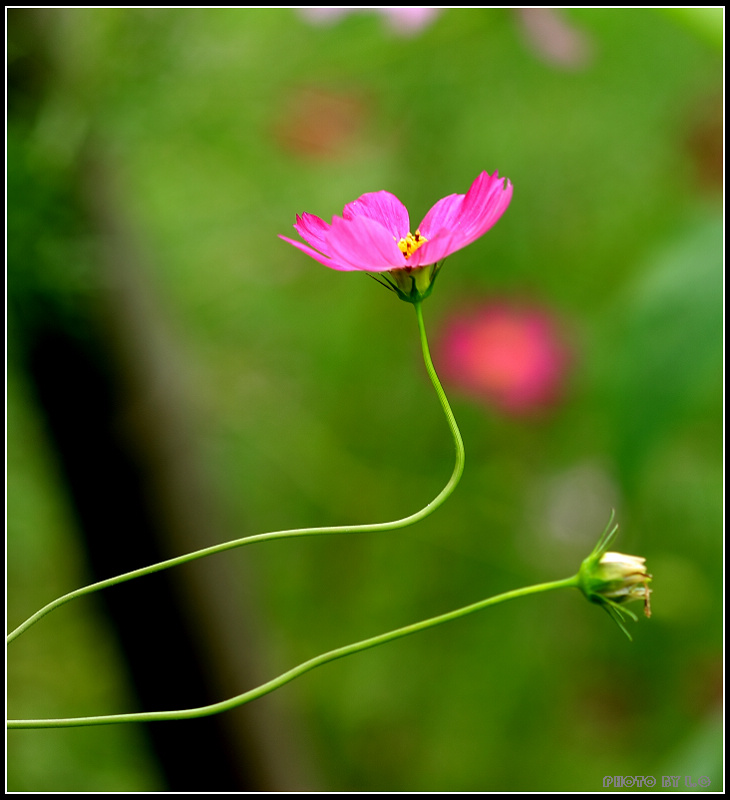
508 356
554 39
317 122
404 21
373 234
407 21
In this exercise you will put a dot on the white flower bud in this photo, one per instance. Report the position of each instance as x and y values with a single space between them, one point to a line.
612 579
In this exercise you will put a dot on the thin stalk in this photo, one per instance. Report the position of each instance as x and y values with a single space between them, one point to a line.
290 675
261 537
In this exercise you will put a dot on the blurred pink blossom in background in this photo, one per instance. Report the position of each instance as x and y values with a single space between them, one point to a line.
321 123
404 21
510 356
553 38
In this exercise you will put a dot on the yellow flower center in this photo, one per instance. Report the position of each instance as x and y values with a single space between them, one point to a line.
411 243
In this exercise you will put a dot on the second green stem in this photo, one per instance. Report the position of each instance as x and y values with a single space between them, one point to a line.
290 675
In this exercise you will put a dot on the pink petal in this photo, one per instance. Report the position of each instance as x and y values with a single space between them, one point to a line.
484 204
328 262
445 214
362 243
464 217
313 230
383 207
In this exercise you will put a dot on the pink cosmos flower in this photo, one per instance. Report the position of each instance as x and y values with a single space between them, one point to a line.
373 234
510 356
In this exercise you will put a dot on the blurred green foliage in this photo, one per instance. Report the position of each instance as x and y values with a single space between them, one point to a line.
311 406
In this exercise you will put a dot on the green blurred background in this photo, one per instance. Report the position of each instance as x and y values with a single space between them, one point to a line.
153 157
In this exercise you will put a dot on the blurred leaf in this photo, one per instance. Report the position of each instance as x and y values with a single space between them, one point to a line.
666 359
709 23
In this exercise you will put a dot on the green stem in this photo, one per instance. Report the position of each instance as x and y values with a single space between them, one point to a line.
291 674
220 548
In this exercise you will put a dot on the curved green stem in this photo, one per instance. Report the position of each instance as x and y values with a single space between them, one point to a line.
220 548
290 675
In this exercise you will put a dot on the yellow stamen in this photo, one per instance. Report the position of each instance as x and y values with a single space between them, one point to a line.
411 243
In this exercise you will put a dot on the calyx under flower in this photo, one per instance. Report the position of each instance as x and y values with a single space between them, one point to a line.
412 284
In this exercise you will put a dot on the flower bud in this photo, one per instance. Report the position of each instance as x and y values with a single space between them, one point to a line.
619 578
612 579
